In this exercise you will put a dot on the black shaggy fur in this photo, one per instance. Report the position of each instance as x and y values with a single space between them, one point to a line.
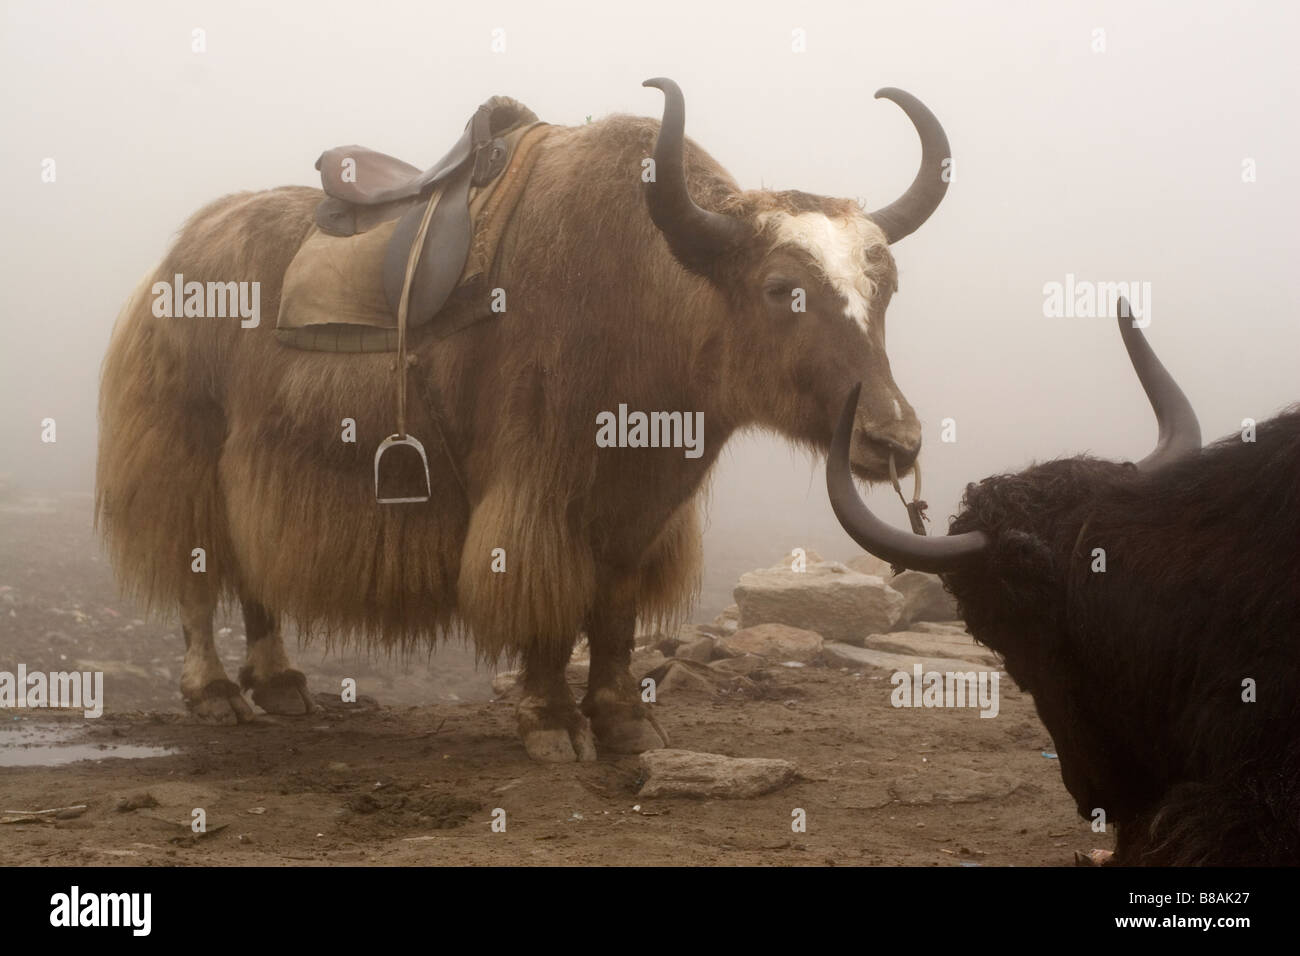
1138 672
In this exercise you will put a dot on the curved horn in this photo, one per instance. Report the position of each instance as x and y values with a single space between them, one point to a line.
904 215
696 236
882 540
1180 433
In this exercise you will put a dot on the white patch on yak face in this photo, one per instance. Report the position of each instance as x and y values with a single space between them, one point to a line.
839 248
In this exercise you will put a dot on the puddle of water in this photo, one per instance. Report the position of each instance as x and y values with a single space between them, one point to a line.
50 745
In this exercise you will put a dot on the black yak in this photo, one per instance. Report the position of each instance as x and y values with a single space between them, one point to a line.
1170 681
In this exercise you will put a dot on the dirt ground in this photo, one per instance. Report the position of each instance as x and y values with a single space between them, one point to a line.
415 778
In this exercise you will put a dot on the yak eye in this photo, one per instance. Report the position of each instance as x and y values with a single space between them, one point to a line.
778 288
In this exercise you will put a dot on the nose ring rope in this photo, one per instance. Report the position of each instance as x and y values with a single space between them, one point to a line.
916 507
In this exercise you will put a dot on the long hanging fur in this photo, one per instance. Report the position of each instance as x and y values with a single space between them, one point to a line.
1138 672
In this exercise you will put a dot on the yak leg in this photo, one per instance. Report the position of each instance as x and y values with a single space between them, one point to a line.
209 694
623 723
550 723
277 688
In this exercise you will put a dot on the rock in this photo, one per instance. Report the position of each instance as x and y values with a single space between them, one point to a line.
700 650
505 683
960 646
776 642
729 620
677 677
684 773
681 678
870 564
746 665
828 598
924 598
859 658
669 644
136 801
939 627
645 660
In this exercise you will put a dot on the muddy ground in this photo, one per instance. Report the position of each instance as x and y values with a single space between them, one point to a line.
414 775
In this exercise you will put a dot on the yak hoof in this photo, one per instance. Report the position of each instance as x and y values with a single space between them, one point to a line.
633 737
559 746
553 733
621 727
284 693
220 702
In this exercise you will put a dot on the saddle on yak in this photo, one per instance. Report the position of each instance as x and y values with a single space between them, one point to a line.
385 228
391 246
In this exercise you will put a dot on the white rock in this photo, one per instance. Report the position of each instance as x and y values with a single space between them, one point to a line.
728 622
777 642
828 598
924 598
846 655
939 627
684 773
927 644
870 564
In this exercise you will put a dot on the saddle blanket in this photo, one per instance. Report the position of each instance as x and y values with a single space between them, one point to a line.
333 299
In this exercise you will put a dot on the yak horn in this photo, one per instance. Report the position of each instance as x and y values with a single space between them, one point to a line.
1180 433
696 236
904 215
885 541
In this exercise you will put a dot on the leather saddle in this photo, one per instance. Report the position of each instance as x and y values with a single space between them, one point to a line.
365 188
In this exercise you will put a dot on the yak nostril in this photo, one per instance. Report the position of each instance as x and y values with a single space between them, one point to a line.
904 455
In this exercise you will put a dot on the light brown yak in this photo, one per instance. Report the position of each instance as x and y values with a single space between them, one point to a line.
214 436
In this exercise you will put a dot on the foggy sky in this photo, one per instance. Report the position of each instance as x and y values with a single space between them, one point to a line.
1117 166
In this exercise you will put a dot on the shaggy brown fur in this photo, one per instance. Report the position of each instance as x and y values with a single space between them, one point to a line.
213 436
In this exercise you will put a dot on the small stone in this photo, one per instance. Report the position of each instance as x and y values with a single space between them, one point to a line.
700 650
683 677
846 655
685 773
775 642
505 682
925 644
137 801
924 598
743 666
